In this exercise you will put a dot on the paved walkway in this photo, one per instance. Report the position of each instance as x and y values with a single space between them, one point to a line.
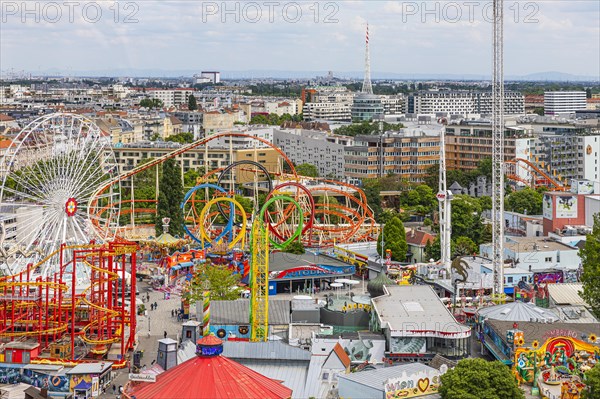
156 323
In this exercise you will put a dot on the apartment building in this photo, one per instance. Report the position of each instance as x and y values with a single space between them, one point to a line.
327 103
469 142
409 153
171 97
324 151
564 102
462 102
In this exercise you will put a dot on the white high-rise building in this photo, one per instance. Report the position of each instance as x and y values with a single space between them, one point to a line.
564 102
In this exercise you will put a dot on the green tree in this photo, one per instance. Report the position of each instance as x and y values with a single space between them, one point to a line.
526 200
394 237
590 260
218 279
170 198
464 246
182 138
592 382
192 103
479 379
295 247
433 249
151 103
372 190
308 170
324 206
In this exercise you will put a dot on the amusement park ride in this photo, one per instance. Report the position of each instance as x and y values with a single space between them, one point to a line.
63 281
63 260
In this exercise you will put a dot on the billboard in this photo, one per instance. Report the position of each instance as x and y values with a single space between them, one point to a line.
566 207
547 212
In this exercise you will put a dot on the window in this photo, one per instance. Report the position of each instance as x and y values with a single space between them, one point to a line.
188 334
509 279
325 376
548 259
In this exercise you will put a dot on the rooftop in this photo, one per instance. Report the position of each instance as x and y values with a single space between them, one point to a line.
533 331
566 294
518 311
528 244
90 368
377 378
238 312
416 310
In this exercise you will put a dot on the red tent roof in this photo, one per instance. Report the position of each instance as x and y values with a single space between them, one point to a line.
211 378
209 340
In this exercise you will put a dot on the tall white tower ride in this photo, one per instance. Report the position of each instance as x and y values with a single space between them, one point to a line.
444 197
498 147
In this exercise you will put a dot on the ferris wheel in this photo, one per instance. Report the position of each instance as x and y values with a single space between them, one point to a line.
49 173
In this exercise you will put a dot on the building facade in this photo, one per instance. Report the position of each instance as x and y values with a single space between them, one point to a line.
408 153
462 102
564 102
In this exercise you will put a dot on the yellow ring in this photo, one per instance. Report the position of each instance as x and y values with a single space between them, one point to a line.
242 232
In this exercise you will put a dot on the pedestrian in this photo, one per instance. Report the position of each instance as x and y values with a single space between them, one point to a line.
120 388
172 313
165 334
114 389
155 305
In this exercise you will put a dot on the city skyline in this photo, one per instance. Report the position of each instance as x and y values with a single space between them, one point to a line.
406 37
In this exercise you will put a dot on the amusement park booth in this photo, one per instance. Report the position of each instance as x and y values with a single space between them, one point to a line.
303 273
87 380
417 325
20 352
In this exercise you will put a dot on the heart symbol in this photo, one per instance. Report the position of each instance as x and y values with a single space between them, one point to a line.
423 384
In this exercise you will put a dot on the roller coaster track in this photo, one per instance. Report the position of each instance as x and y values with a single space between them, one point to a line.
125 175
556 185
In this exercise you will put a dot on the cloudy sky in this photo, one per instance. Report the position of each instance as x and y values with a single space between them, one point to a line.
436 37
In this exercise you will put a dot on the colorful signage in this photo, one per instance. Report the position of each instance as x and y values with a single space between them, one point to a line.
418 384
185 257
548 277
566 207
313 271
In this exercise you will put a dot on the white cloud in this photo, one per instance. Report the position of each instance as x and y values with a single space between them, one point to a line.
180 35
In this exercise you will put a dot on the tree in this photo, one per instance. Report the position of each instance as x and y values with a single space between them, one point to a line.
433 249
372 189
218 279
394 237
592 382
151 103
170 198
590 260
308 170
479 379
464 246
182 138
192 103
295 247
527 201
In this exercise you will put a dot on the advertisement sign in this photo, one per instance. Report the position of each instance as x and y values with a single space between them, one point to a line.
547 213
566 207
142 377
313 271
585 187
95 386
415 385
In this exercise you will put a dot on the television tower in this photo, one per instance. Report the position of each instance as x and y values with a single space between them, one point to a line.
367 87
498 147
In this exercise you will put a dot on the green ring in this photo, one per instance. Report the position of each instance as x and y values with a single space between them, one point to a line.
298 231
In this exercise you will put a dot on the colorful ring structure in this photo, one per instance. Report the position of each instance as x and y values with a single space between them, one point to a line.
206 239
186 199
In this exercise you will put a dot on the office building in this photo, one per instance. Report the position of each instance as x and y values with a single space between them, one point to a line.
564 102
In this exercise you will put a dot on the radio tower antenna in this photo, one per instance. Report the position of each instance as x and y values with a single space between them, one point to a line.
498 148
367 87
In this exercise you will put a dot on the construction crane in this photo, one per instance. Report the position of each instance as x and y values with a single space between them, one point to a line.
498 147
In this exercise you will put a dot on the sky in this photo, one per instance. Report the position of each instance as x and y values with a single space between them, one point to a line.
432 37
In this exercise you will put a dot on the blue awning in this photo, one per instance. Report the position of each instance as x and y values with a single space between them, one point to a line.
186 264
